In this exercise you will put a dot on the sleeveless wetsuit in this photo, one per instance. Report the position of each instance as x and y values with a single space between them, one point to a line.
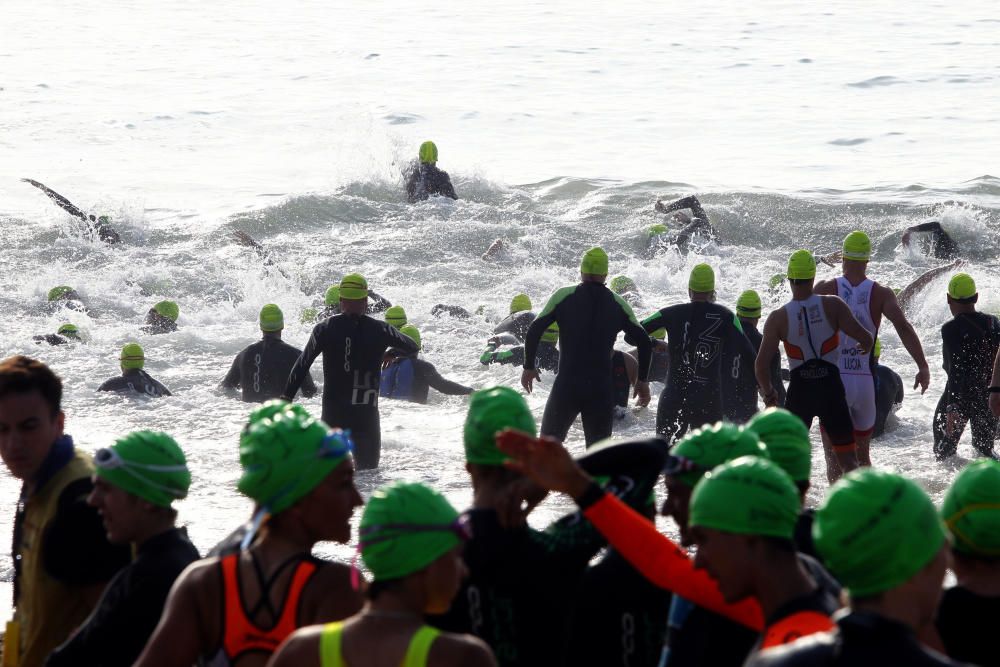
331 653
855 365
700 336
240 635
352 348
589 317
137 382
969 346
815 389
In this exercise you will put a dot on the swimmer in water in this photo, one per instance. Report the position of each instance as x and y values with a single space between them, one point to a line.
940 245
425 179
100 224
695 224
410 378
162 318
133 379
67 333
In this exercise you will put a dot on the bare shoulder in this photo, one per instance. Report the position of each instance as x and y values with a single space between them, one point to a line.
330 595
300 649
458 649
826 287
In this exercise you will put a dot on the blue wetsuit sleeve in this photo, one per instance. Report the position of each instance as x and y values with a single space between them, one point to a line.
301 368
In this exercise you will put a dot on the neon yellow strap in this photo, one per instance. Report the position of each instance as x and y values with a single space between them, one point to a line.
420 647
329 645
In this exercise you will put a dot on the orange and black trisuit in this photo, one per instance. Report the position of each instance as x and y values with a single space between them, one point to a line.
240 635
668 566
815 389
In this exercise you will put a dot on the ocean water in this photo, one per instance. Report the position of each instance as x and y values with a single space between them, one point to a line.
560 124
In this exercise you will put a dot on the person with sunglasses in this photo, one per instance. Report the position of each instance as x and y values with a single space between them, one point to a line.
523 582
62 557
237 609
136 481
411 540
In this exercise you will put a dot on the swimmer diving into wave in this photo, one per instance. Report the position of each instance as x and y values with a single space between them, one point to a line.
100 225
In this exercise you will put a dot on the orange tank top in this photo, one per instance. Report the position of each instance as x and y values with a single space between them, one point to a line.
240 634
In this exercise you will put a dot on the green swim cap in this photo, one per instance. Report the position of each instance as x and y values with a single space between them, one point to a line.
520 303
412 332
712 445
786 439
971 509
103 219
69 330
857 246
147 464
491 411
595 262
656 230
428 152
59 292
168 309
876 530
748 304
353 287
271 408
776 280
271 318
286 455
622 285
659 334
308 315
702 279
404 528
801 265
395 316
747 496
332 295
551 334
132 357
961 286
877 350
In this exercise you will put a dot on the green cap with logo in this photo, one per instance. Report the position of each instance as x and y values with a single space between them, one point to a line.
395 316
857 247
147 464
428 152
412 332
746 496
702 279
271 318
961 286
971 509
748 304
714 444
787 441
491 411
801 265
520 303
353 287
876 530
623 285
70 331
60 292
332 295
594 262
168 309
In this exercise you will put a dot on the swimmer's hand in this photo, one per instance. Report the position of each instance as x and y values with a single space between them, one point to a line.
923 379
528 377
641 393
545 461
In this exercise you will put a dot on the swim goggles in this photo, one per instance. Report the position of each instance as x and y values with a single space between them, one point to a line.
108 459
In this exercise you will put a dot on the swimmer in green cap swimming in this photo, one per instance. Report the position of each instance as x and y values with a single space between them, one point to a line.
162 318
67 333
411 540
300 475
697 224
425 180
134 380
99 225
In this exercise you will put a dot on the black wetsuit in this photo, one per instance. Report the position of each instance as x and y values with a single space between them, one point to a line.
755 337
261 370
426 180
116 631
500 601
53 339
659 365
410 379
352 347
620 619
589 317
803 538
451 311
706 638
863 639
699 226
516 323
376 304
966 622
701 336
941 245
619 379
888 396
135 381
970 342
158 324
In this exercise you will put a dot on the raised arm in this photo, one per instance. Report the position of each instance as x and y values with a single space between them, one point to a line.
58 199
907 294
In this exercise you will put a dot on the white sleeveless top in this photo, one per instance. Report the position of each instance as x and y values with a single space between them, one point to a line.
859 300
810 335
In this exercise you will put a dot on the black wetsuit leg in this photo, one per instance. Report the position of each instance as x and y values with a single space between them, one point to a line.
365 429
682 409
594 401
969 409
816 390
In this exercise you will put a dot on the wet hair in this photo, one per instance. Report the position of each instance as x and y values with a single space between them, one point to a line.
22 375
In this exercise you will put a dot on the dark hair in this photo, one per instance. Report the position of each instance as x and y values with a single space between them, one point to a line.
800 281
22 375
